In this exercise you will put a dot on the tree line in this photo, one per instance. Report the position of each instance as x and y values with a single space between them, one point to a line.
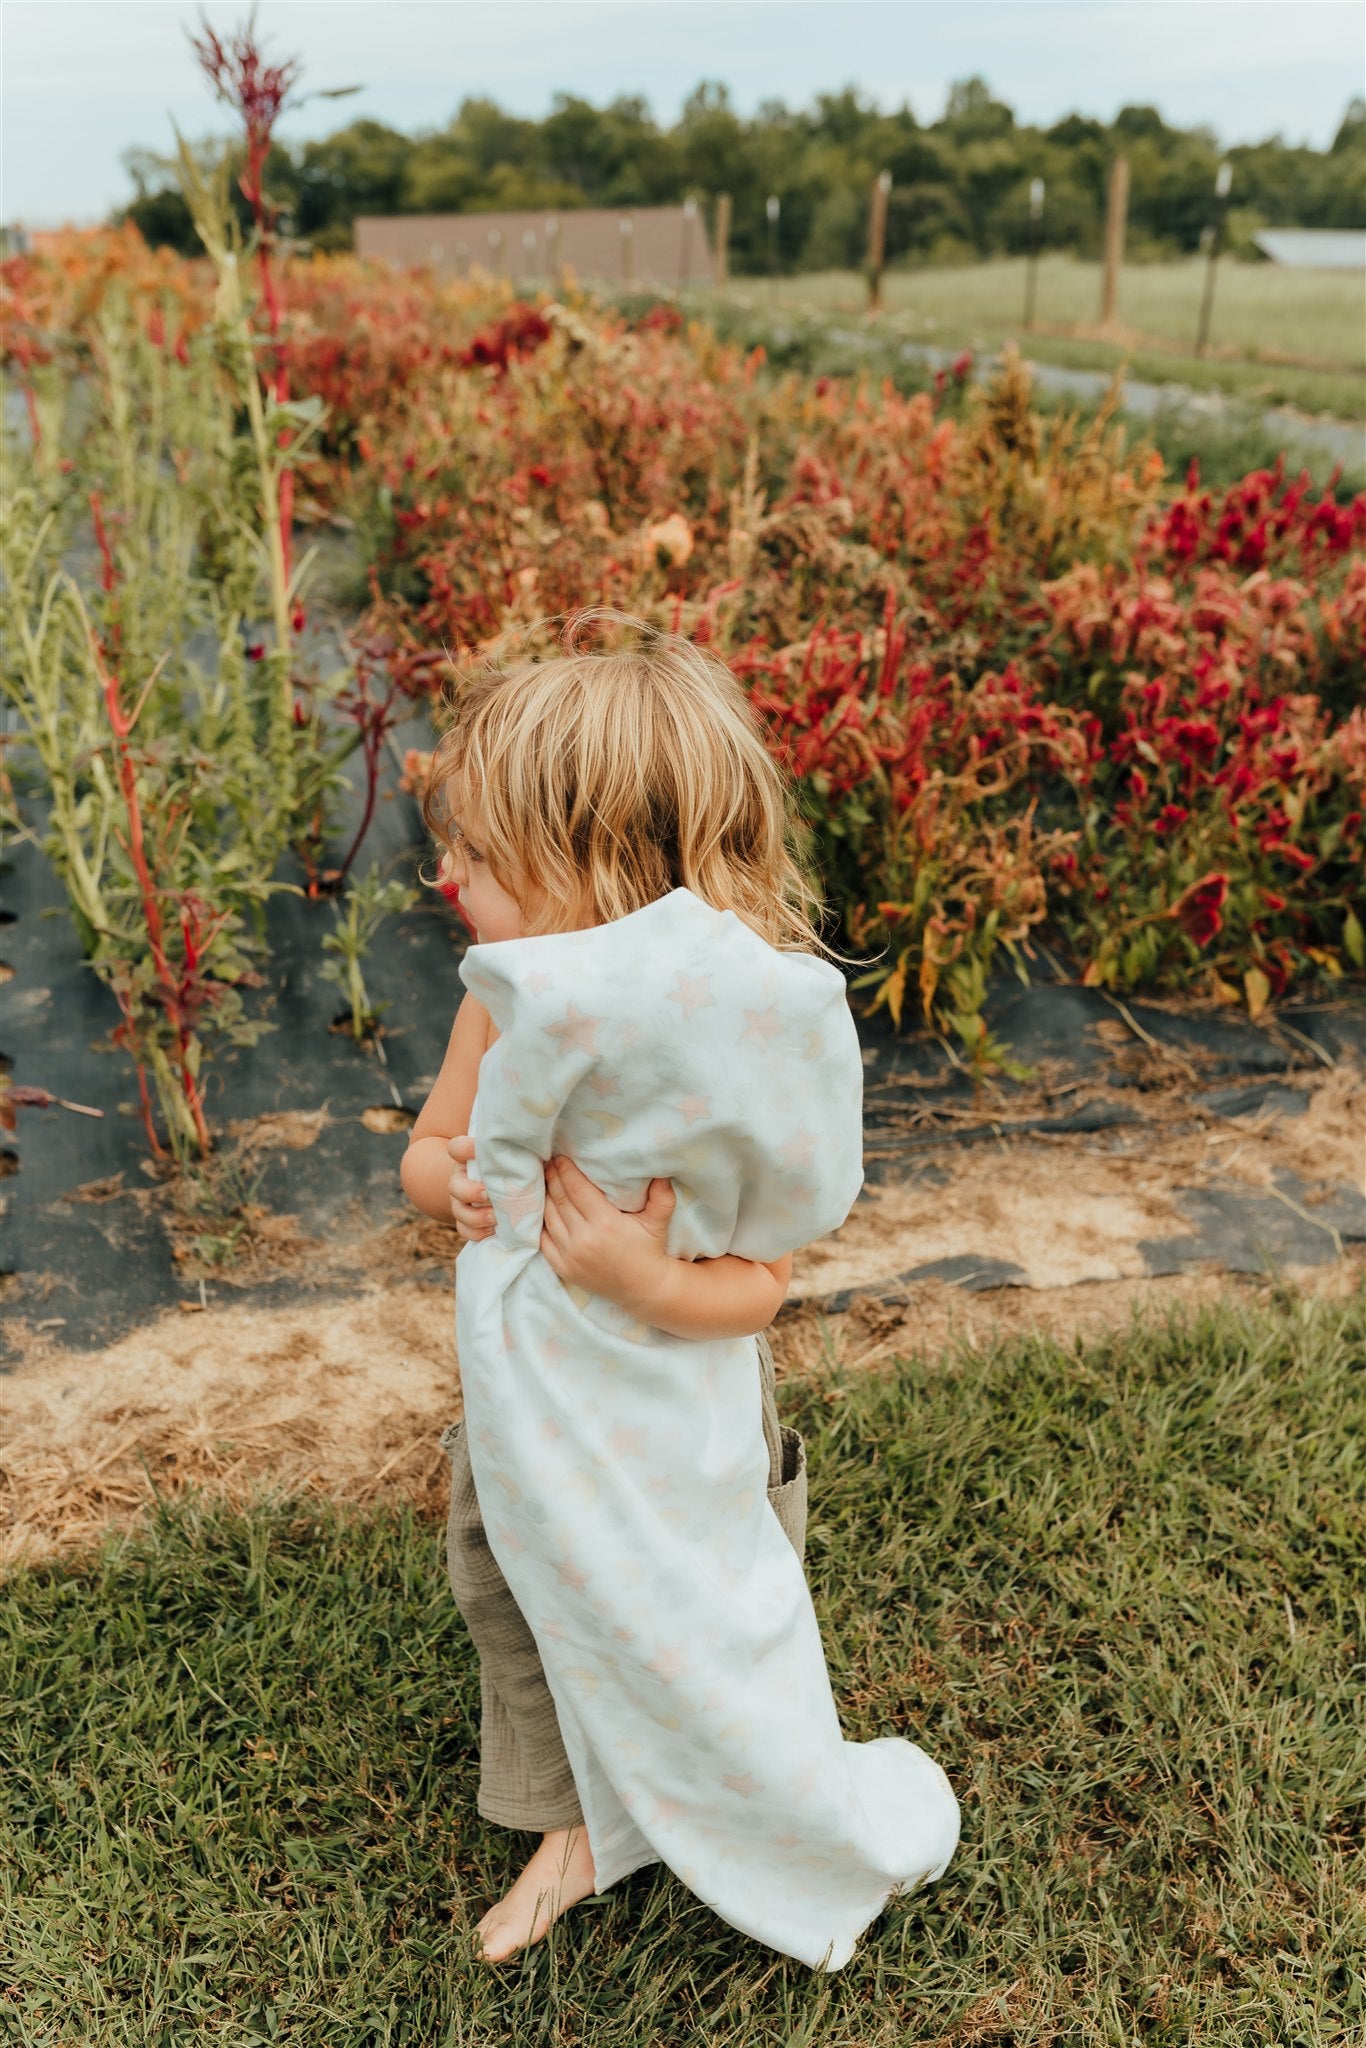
960 185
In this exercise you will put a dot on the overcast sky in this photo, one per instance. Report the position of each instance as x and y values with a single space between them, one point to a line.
85 80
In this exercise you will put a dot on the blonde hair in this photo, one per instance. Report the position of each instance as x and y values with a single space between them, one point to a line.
604 779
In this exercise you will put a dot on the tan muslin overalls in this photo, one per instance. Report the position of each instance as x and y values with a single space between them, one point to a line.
524 1775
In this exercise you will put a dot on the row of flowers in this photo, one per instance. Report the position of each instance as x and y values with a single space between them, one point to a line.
1027 686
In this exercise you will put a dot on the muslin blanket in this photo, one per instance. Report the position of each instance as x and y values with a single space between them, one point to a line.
622 1471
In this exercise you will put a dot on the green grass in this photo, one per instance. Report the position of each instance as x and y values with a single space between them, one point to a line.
1262 312
1117 1590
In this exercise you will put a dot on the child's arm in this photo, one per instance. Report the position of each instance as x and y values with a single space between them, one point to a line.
591 1243
427 1173
725 1297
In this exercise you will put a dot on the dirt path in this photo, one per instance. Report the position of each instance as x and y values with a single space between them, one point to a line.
346 1394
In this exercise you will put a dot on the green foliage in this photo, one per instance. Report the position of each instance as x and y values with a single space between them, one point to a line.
155 736
1113 1588
961 181
359 917
178 763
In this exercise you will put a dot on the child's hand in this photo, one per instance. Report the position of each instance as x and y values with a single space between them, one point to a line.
591 1243
470 1206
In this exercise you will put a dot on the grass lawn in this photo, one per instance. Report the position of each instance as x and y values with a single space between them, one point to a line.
1283 336
1116 1590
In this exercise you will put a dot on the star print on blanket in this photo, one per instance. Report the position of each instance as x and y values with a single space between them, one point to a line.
623 1470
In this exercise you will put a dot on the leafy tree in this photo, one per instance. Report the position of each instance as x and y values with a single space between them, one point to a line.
1352 133
360 169
959 185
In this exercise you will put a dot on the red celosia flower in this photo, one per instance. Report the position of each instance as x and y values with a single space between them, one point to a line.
1170 818
259 92
1276 965
1296 855
1196 736
519 333
1198 911
661 319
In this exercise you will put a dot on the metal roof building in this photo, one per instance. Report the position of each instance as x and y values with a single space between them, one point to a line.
1314 248
661 246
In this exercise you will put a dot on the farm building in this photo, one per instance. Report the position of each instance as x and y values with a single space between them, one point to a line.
1314 248
649 245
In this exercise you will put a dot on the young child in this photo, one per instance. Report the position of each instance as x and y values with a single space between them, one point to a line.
669 1106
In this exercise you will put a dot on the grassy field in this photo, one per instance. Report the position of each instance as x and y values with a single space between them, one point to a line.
1281 336
1116 1590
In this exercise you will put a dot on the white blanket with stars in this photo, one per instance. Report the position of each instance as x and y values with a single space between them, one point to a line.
622 1472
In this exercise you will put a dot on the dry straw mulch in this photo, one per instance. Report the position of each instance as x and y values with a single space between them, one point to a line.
346 1394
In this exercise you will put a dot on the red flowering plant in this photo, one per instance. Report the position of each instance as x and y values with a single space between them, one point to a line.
258 93
952 627
1221 843
1270 545
521 331
581 470
868 490
370 346
1266 519
917 796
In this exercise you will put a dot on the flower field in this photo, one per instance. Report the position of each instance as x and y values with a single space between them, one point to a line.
1032 689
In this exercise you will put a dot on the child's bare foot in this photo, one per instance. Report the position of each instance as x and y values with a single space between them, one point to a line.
559 1874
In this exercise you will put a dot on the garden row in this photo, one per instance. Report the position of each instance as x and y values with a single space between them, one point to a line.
1029 686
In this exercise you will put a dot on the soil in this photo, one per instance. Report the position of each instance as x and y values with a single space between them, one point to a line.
345 1394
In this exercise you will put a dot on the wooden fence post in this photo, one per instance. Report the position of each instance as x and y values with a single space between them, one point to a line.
877 238
685 243
721 271
1222 184
1032 259
1116 216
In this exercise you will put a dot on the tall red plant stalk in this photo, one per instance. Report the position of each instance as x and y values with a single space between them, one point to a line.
375 717
178 993
258 92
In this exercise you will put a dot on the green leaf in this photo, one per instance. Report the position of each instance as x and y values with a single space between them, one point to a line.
1353 939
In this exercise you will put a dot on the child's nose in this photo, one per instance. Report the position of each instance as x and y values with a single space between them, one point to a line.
452 869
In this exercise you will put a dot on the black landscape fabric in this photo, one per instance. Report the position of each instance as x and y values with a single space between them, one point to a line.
89 1270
